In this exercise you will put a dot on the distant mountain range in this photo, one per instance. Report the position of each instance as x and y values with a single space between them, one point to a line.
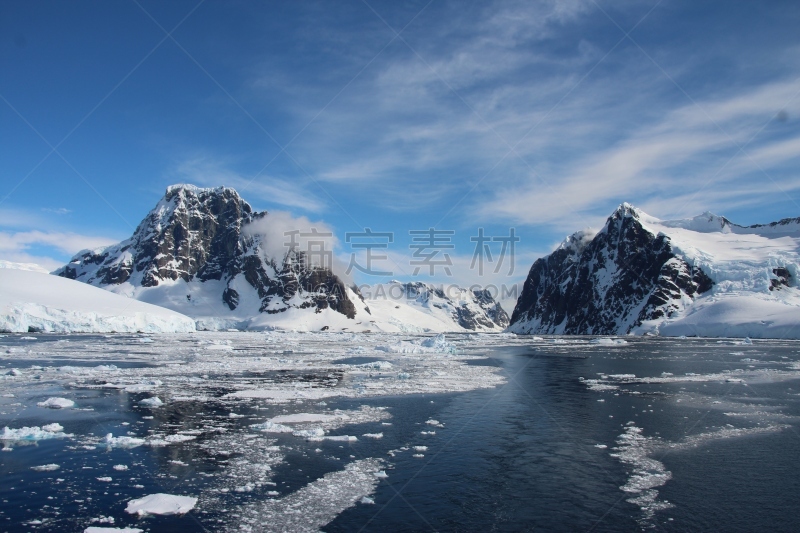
197 253
702 276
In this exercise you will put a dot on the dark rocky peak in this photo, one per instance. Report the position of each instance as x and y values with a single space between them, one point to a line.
198 235
623 276
191 233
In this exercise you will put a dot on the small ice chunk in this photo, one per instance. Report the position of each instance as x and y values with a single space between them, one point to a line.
367 501
271 427
120 468
34 433
155 401
220 347
46 468
56 403
161 504
341 438
381 474
373 435
96 529
105 479
420 448
313 433
123 442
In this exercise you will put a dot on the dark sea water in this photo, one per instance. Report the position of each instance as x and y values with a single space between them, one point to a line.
717 448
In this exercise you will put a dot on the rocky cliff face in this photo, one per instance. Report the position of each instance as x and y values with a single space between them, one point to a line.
196 236
607 283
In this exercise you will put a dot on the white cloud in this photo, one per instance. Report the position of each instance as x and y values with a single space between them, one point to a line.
318 237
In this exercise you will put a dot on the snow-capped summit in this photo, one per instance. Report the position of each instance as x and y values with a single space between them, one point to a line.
699 276
191 253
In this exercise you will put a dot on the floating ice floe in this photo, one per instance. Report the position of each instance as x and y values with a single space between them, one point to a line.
100 529
436 344
338 438
608 341
299 418
376 365
311 507
271 427
155 401
311 434
161 504
220 347
123 442
169 439
46 468
34 433
57 403
284 395
373 435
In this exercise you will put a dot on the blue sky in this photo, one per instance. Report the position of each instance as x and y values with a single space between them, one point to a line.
541 116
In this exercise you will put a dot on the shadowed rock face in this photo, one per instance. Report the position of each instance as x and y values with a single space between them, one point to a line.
197 235
607 284
492 308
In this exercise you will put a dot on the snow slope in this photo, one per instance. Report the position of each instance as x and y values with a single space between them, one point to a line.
749 298
33 301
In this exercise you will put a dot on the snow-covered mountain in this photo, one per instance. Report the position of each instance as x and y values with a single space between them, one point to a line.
701 276
200 252
420 307
192 254
32 301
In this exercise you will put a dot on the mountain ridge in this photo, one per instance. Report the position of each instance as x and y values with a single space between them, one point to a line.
639 274
199 252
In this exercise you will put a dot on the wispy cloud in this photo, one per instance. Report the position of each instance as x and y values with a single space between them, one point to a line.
207 171
704 154
550 116
33 246
57 210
